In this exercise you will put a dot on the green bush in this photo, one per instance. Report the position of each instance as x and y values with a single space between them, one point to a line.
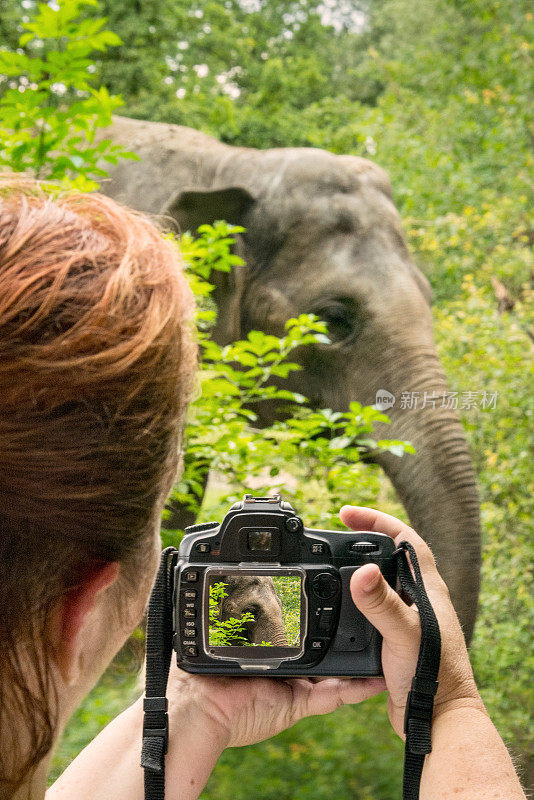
484 350
229 631
50 108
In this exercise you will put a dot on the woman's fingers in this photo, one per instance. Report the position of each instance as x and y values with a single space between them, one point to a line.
369 519
311 699
391 605
372 594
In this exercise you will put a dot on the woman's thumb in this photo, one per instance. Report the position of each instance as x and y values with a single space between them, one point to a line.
382 606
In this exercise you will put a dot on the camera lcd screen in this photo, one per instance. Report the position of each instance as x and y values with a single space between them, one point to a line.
253 610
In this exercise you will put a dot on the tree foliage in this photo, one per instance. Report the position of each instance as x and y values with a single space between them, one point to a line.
50 107
228 631
243 69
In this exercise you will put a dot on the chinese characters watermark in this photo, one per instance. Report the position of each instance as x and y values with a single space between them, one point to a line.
410 401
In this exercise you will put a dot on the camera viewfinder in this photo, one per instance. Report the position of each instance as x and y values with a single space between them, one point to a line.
259 541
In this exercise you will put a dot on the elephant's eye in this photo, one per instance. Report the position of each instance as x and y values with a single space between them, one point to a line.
343 319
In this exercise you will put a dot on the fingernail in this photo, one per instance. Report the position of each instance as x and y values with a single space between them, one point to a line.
370 582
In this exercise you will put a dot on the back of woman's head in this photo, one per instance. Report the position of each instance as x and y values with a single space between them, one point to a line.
96 363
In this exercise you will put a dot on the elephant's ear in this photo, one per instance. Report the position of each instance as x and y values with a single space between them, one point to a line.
192 208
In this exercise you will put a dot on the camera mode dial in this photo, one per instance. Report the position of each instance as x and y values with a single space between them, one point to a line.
363 547
201 526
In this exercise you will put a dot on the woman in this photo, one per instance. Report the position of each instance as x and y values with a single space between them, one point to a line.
97 361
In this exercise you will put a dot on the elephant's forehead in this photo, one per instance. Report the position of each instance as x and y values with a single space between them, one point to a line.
295 169
316 201
313 215
249 582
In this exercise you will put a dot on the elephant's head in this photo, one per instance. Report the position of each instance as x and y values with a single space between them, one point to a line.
257 596
323 236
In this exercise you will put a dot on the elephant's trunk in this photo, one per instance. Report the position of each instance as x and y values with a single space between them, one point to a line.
276 635
437 485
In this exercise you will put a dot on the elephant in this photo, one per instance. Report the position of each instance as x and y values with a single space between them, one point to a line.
322 235
256 595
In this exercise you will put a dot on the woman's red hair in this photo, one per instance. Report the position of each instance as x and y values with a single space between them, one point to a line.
97 357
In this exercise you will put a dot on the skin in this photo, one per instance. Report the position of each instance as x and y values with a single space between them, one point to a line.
258 596
468 761
323 236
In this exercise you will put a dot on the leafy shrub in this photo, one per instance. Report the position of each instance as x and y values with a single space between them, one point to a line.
50 108
481 348
225 632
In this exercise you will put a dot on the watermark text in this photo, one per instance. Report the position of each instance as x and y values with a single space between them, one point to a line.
411 401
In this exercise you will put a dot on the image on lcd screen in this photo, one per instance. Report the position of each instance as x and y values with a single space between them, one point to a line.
254 610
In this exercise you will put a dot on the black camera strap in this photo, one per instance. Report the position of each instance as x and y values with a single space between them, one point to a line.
159 634
420 702
419 706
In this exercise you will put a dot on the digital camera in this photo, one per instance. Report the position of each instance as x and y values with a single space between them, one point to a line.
259 593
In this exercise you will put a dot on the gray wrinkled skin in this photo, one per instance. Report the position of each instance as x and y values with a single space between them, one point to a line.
323 236
257 596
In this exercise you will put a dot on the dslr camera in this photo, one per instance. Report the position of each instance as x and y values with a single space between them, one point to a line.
260 593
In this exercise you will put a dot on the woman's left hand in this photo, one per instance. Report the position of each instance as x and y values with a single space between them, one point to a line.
247 710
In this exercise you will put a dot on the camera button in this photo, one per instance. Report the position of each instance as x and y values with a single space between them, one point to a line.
317 644
190 613
325 585
190 577
318 548
191 650
203 547
190 632
190 594
326 617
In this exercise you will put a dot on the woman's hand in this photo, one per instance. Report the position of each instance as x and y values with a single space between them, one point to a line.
400 626
247 710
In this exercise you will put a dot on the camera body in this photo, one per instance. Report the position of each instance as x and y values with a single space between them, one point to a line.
261 594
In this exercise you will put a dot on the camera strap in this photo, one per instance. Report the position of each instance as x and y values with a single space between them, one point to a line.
159 633
420 702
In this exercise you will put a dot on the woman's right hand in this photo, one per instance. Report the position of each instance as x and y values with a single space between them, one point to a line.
400 626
